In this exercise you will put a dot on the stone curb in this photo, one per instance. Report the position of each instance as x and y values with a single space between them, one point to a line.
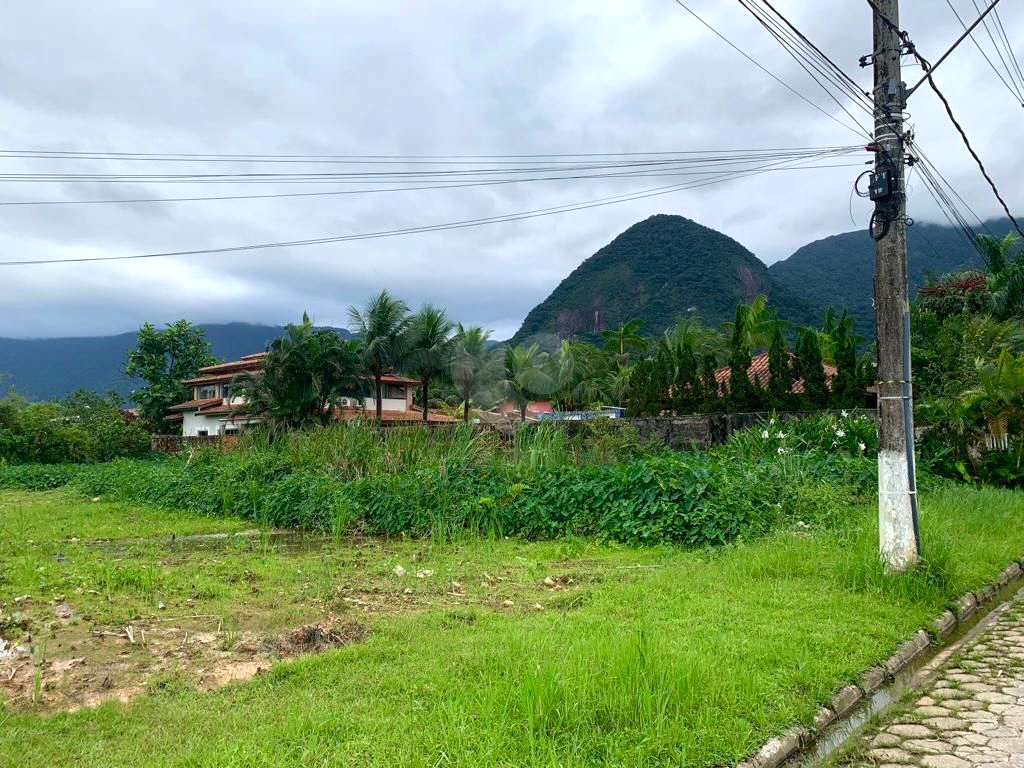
777 750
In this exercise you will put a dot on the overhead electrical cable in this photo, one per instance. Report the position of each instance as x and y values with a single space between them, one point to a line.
1014 89
858 129
807 54
206 157
416 229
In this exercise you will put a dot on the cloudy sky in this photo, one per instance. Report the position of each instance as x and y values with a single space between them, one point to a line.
321 78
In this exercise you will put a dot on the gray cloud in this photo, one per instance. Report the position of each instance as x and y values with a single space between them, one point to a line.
408 78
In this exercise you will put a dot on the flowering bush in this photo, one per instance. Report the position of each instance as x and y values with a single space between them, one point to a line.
843 433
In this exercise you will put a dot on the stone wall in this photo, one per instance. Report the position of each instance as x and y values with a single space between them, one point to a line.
697 431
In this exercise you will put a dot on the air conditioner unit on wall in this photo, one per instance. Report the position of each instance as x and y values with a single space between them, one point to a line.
349 402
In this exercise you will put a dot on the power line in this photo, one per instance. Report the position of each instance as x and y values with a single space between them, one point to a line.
1013 89
83 154
329 193
798 44
391 176
409 230
798 51
967 143
752 60
1010 54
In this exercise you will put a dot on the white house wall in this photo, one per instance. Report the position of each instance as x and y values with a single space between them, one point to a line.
370 404
193 424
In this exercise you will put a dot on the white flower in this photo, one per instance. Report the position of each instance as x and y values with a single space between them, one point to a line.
781 435
840 433
764 434
783 451
861 446
844 414
771 421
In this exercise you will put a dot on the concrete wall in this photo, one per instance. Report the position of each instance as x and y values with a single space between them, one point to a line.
698 431
193 423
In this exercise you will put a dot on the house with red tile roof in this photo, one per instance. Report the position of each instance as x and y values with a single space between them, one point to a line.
216 408
759 375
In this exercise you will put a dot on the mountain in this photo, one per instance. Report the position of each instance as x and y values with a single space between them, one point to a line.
657 270
666 266
43 369
838 270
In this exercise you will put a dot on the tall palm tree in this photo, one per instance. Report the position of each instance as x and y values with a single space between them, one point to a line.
305 372
625 341
382 327
690 331
470 363
525 376
578 372
759 321
430 348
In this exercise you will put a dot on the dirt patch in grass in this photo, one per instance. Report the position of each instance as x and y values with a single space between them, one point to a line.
80 665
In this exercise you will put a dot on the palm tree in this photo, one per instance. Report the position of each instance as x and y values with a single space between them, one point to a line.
430 348
690 331
999 396
1005 276
305 372
382 328
470 363
624 341
525 376
759 321
578 371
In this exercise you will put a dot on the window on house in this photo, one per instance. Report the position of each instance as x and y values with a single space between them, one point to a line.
231 430
207 392
394 391
203 433
226 390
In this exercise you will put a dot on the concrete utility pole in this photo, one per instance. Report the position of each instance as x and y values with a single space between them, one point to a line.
897 491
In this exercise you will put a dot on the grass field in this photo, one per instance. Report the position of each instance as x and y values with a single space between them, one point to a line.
482 652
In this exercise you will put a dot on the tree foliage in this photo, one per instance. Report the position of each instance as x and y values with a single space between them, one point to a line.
305 374
163 359
382 328
83 427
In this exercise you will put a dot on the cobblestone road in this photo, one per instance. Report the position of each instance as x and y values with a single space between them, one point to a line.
972 713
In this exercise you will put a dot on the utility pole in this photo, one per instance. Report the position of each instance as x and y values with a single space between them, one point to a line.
897 492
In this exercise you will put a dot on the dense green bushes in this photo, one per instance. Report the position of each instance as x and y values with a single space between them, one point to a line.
81 428
414 482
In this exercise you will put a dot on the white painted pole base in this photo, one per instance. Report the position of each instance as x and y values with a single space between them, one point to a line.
897 543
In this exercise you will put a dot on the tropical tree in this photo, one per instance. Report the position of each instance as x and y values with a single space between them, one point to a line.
1005 276
525 376
430 348
780 372
624 342
999 397
849 382
690 331
470 364
305 374
579 372
382 328
741 394
809 368
759 321
163 359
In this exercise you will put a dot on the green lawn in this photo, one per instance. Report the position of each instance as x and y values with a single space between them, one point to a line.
636 657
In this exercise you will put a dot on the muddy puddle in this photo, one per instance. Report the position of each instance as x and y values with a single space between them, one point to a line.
80 664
